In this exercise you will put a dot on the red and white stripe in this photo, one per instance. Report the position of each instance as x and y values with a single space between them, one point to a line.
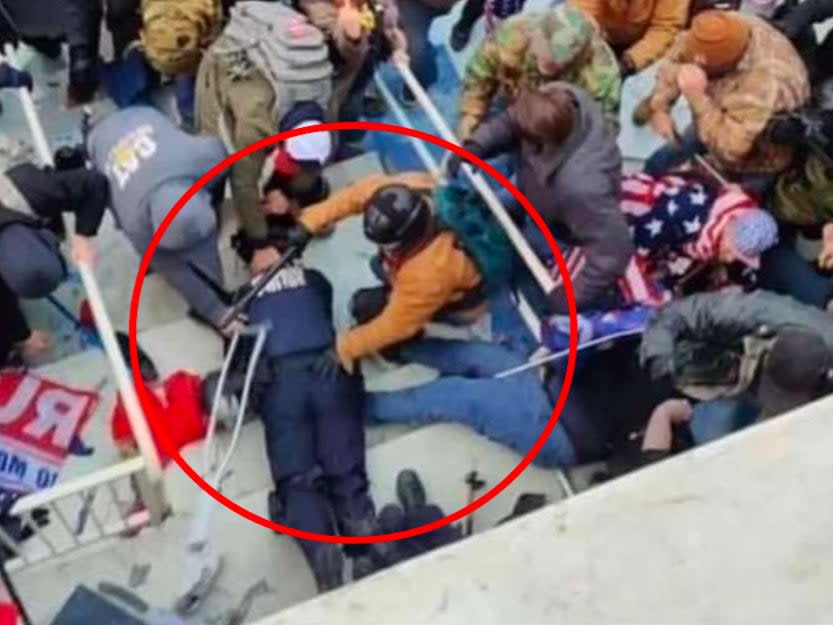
726 207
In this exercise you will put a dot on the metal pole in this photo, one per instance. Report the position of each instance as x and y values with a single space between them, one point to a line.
124 383
539 271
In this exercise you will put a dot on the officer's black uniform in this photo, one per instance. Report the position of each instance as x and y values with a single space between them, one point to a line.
313 417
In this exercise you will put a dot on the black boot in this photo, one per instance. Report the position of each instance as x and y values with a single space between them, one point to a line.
83 74
327 564
460 36
409 490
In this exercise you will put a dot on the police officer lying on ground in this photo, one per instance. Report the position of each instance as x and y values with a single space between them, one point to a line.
312 412
424 267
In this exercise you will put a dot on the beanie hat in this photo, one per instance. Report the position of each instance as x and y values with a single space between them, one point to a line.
750 233
194 222
567 31
717 40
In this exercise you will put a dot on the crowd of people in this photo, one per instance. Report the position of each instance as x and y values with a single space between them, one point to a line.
704 236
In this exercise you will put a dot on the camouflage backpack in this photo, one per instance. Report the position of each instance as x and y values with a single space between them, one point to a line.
175 32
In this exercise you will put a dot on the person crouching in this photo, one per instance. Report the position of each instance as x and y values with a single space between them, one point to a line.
426 273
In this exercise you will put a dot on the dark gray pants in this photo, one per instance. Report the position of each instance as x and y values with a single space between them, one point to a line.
30 260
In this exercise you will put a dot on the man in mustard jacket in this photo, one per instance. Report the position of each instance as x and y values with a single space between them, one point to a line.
425 268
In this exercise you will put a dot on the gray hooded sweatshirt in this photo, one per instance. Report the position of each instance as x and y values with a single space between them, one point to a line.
575 187
150 163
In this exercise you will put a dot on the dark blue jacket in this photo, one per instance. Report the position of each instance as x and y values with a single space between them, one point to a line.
298 302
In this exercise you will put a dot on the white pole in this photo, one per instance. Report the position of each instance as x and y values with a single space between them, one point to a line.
135 415
539 271
425 156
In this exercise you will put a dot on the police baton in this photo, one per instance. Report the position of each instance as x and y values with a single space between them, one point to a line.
239 307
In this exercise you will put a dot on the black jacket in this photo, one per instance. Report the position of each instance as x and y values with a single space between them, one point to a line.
50 193
699 332
796 20
13 326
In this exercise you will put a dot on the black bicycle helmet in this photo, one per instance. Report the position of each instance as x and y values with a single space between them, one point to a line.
396 216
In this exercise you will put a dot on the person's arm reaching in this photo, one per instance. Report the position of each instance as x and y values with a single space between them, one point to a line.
414 300
666 92
351 200
668 21
492 137
479 87
730 129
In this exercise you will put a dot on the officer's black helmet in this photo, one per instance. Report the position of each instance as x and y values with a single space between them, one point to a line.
396 216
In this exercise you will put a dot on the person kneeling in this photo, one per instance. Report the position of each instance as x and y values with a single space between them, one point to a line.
427 272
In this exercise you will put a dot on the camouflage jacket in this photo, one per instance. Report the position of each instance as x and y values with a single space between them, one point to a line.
733 115
503 65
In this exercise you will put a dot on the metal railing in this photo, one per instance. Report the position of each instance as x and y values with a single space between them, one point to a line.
481 185
144 472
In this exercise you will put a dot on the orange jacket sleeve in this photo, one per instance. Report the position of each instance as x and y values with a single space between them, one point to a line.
419 292
351 200
668 20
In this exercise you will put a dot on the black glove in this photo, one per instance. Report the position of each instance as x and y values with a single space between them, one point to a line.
298 236
452 167
14 78
69 157
327 366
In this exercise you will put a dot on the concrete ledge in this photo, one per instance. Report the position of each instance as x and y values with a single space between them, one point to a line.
740 531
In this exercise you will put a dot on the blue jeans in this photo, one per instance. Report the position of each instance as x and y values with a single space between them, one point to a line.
783 270
672 155
416 19
715 419
511 411
185 92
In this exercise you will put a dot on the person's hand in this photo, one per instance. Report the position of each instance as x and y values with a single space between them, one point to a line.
83 251
298 236
328 366
232 323
348 364
663 125
38 345
349 22
455 161
275 203
692 80
263 258
399 43
14 78
826 255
